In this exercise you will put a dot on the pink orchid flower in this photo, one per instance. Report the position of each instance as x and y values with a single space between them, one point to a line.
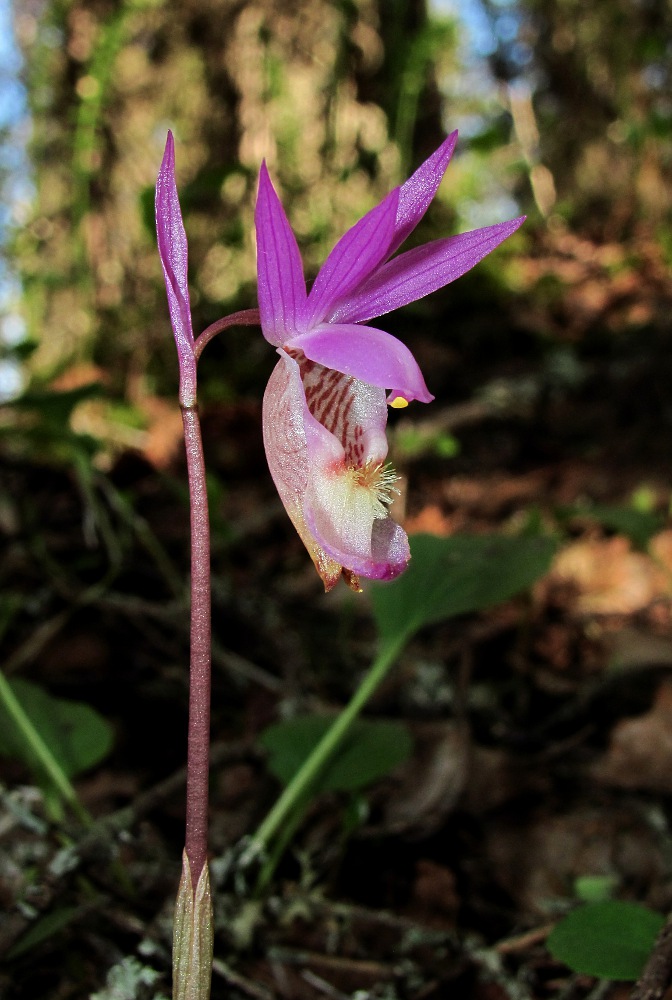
325 406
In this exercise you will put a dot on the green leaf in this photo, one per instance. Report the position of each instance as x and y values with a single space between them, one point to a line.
595 888
370 750
75 733
636 523
456 575
43 928
55 406
412 442
611 939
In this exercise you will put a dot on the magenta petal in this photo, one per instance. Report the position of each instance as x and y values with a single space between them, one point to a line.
423 270
370 355
417 193
172 241
353 259
281 285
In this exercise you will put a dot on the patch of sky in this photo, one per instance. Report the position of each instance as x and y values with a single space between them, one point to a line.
506 27
474 99
10 60
15 194
474 79
480 36
486 31
654 76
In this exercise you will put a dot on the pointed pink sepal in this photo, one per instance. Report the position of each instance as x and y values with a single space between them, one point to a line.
281 285
353 259
419 272
417 193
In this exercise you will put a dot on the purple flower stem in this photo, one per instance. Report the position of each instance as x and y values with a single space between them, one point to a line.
246 317
198 739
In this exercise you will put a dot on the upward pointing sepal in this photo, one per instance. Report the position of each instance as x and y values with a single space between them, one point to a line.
174 253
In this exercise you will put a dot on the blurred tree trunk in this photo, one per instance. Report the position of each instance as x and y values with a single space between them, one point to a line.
309 85
601 78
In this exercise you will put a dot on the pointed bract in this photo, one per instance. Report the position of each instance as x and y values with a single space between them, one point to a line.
325 408
192 936
173 250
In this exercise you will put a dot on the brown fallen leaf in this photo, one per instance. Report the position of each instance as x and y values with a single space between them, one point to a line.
435 899
431 520
640 749
448 770
607 577
537 859
660 548
162 439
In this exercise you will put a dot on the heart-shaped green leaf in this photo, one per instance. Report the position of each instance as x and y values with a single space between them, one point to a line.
370 750
77 735
456 575
611 939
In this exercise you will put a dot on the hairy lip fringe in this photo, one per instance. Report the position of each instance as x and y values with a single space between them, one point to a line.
379 478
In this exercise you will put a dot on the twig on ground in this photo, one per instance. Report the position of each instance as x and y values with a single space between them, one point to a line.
243 985
509 946
655 979
360 967
318 983
172 613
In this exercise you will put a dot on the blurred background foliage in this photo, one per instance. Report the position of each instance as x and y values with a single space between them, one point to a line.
550 362
564 110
